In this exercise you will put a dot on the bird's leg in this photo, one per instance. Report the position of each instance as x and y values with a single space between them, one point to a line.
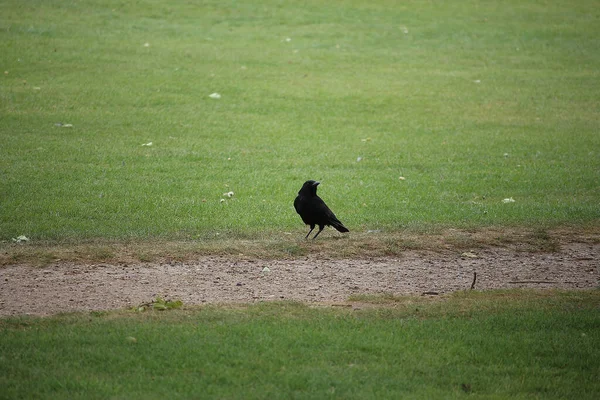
320 229
311 229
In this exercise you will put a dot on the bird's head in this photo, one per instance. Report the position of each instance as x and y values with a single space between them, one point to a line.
309 188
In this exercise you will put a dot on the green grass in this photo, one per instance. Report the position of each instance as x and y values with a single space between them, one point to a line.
506 344
471 102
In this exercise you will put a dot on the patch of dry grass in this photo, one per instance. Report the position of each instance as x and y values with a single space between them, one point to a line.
469 301
286 246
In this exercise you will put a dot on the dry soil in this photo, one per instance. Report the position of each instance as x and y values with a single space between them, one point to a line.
67 287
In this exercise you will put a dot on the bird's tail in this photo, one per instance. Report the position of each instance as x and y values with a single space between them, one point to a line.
339 226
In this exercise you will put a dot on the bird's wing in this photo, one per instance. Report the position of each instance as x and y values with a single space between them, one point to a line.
321 210
326 216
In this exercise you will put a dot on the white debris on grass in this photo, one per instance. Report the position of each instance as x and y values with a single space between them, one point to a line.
21 239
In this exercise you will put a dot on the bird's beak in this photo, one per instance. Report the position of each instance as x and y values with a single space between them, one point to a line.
316 184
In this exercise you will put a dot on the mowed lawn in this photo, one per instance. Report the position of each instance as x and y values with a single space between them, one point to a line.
412 114
128 122
512 344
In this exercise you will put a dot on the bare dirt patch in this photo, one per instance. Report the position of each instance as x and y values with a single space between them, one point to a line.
75 286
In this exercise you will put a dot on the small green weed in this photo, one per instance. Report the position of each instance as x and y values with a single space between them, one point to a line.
160 304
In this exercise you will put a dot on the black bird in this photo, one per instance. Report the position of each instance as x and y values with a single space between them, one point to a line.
314 211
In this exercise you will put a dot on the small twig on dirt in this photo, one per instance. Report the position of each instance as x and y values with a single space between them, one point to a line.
517 282
474 279
429 293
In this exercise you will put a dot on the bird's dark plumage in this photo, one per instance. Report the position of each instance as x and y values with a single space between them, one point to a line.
314 211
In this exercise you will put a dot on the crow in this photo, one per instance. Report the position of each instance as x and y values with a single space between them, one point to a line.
314 211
